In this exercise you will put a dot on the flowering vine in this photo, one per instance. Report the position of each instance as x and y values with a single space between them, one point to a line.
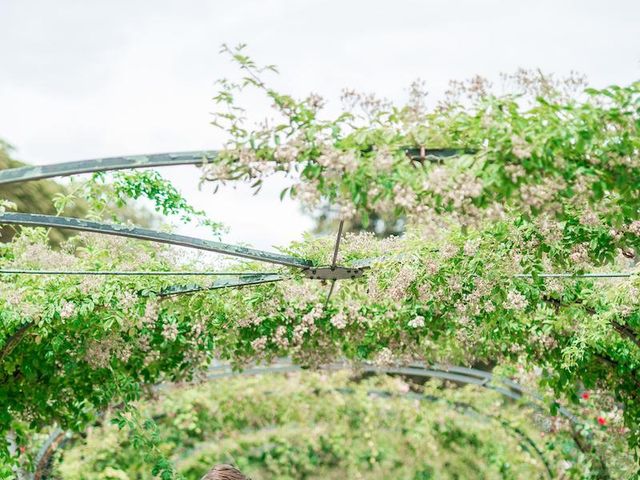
520 188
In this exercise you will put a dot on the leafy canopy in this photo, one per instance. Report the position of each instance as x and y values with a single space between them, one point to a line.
539 183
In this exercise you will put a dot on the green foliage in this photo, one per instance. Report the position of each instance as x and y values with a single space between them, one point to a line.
309 426
547 184
166 198
144 438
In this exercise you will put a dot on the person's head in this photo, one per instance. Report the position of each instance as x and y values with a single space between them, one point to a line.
224 472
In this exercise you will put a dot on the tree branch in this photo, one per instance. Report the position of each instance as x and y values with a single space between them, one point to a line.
14 340
623 330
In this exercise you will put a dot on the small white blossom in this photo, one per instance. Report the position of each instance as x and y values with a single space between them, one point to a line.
170 331
471 247
404 196
417 322
67 310
280 337
259 344
339 320
520 148
384 357
579 254
515 301
589 219
634 227
150 313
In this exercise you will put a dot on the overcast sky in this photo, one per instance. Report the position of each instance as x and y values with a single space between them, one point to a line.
87 78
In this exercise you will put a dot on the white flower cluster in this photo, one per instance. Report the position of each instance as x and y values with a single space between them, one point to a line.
315 102
97 357
339 320
150 314
515 172
515 301
384 357
259 344
398 289
170 331
579 254
634 227
67 309
589 219
280 337
308 323
520 148
383 159
405 197
417 322
471 246
540 195
286 153
337 160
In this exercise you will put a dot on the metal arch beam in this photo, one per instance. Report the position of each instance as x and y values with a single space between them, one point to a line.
454 374
510 384
25 174
240 281
228 282
130 273
35 220
437 154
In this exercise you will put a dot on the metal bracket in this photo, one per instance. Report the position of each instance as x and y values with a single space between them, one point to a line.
333 273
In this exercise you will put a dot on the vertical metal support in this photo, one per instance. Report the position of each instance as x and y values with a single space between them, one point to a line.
337 247
334 261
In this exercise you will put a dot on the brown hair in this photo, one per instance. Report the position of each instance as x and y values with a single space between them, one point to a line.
224 472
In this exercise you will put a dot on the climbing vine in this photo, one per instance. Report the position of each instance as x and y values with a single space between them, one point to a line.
495 191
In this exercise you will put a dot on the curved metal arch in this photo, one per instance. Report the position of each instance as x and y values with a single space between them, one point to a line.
58 438
464 375
455 374
513 389
129 273
36 220
198 157
369 262
26 174
240 280
228 282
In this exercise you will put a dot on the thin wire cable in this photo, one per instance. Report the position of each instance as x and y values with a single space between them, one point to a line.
129 273
576 275
192 273
189 289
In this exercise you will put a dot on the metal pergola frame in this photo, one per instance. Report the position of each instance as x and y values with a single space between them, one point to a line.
197 157
331 273
465 375
223 280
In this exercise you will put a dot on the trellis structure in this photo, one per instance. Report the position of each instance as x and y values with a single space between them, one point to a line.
332 272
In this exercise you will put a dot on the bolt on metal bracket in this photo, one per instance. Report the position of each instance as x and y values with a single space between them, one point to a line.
333 273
